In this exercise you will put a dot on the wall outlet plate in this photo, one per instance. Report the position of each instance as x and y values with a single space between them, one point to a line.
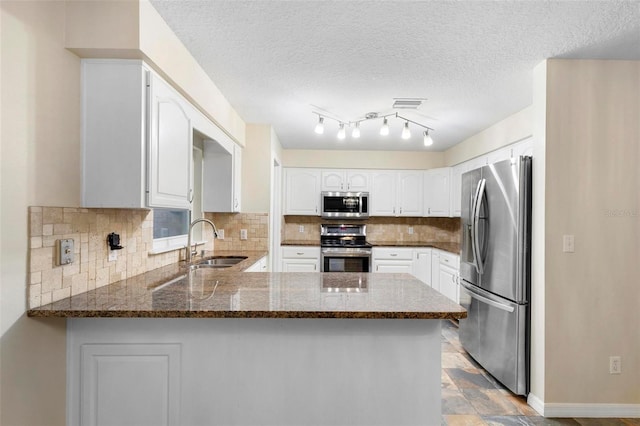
113 255
221 234
243 234
65 252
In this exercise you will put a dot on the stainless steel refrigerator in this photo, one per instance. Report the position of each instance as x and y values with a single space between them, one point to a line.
495 269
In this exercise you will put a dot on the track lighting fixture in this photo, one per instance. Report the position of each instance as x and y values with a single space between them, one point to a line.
406 133
320 126
355 133
427 138
384 129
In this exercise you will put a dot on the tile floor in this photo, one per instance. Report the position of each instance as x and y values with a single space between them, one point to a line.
470 396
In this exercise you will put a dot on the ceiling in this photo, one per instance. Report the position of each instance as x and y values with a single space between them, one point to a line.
278 62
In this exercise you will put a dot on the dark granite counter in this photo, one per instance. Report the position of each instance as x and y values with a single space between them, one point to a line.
177 292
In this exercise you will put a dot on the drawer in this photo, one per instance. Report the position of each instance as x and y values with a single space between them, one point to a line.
300 252
449 259
392 253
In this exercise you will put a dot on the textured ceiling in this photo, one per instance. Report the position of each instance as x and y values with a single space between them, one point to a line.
278 61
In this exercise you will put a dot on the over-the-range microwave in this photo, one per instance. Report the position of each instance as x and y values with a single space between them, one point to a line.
344 205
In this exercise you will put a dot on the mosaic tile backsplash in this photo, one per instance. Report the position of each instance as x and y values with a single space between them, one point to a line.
49 282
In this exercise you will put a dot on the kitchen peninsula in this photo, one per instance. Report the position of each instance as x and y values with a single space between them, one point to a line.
213 346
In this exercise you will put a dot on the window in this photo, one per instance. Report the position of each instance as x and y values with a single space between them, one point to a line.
170 223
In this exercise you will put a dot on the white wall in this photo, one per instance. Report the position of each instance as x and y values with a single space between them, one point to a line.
592 296
40 144
362 159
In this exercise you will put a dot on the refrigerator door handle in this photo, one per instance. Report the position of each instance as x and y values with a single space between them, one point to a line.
474 293
475 237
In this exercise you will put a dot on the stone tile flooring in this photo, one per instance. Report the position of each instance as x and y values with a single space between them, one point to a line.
470 396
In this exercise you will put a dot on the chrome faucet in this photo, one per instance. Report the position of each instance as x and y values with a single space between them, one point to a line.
215 235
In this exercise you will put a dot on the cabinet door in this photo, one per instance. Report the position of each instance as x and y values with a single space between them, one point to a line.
383 193
299 265
422 265
302 192
448 283
170 149
410 193
237 179
455 193
393 266
333 180
436 192
435 269
357 181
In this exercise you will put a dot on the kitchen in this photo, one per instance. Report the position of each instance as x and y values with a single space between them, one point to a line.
573 332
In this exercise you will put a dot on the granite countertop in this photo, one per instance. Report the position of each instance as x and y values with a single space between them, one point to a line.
446 246
175 291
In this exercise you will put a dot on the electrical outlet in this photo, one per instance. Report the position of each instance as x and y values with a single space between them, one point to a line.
568 244
221 234
113 255
410 230
243 234
615 365
301 229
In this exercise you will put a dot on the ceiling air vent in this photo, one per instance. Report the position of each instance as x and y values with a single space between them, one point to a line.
407 103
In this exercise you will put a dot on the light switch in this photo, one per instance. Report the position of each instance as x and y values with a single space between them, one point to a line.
568 244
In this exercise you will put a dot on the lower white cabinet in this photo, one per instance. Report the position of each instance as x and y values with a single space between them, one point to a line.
422 264
300 259
259 266
392 260
444 274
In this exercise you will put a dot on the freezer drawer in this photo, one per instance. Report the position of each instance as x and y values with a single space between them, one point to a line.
495 333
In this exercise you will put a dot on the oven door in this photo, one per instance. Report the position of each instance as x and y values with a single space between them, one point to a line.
345 260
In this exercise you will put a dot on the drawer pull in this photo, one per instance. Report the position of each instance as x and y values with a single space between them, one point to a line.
393 254
299 254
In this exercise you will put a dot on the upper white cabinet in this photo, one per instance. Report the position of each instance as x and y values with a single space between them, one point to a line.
222 172
136 138
437 192
345 180
396 193
302 191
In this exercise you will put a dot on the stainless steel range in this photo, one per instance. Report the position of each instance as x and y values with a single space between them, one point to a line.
344 248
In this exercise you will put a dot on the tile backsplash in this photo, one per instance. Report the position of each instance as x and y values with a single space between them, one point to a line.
381 229
256 224
49 282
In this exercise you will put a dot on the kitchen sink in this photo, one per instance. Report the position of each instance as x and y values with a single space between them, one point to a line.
221 261
208 266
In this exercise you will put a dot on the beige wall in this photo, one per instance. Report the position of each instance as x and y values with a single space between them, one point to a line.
512 129
134 29
256 169
592 296
40 145
362 159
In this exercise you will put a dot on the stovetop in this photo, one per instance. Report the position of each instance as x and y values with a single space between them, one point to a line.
345 243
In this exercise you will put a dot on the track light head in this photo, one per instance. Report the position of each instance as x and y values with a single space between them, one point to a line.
384 130
320 126
355 133
427 138
342 133
406 133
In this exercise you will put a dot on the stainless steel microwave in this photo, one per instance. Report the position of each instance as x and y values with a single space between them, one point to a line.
348 205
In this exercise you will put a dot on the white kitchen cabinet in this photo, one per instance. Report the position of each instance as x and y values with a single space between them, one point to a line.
259 266
136 138
300 259
435 269
447 274
437 192
302 192
222 173
392 260
345 180
422 264
396 193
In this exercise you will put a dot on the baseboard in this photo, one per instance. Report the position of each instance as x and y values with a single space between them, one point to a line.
583 410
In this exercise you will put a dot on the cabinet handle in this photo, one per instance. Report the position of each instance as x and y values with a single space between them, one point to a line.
393 254
400 210
314 268
377 268
190 195
299 254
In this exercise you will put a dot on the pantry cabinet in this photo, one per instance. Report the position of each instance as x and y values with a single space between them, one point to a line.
345 180
302 191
